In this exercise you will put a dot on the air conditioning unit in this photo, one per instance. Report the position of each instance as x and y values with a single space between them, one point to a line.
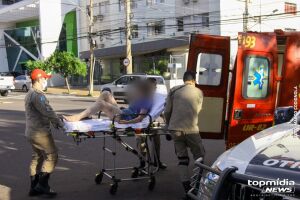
100 17
186 1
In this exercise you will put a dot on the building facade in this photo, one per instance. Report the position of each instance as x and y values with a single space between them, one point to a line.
161 29
34 29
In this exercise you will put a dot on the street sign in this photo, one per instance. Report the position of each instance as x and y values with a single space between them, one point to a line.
126 62
175 65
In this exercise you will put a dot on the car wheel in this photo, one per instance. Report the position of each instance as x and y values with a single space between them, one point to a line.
24 88
4 93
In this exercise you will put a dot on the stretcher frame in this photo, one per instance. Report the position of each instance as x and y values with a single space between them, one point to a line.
117 134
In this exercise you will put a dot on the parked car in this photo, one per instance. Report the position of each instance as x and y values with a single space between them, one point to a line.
6 85
14 74
270 155
119 86
23 83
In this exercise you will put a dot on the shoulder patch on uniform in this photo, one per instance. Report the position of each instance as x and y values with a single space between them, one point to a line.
42 98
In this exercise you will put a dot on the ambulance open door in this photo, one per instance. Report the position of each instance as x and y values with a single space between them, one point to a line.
252 102
209 58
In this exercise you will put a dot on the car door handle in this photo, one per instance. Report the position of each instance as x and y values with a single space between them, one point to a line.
237 114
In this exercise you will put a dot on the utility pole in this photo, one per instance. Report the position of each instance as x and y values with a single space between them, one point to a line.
128 36
245 17
92 47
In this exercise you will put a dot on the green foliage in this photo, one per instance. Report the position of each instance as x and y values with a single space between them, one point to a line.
37 64
153 72
66 64
161 67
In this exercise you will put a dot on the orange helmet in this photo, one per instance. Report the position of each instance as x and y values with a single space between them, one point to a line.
38 73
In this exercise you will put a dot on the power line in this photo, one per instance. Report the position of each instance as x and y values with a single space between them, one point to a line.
211 23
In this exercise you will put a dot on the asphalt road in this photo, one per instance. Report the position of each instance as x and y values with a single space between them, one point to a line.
73 178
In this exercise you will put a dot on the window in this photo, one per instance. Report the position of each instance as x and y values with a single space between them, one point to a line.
122 34
205 20
155 28
121 5
131 79
104 7
159 80
20 78
154 2
180 24
122 81
209 69
290 8
256 77
133 4
135 31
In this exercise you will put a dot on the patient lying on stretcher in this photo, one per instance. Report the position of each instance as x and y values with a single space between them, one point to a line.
141 101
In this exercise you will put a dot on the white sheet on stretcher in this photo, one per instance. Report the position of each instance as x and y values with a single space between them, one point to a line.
105 124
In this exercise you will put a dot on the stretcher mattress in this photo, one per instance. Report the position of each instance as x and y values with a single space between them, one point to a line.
106 124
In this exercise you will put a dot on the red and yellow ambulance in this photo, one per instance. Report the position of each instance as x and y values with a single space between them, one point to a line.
241 98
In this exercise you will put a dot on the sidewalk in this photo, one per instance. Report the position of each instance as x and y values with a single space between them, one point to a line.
75 92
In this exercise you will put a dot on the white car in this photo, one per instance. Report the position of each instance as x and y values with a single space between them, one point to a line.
23 83
271 155
6 84
119 86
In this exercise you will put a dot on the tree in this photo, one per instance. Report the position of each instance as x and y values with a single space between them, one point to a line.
37 64
66 64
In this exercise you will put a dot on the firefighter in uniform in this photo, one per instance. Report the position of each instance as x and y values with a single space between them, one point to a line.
183 105
39 116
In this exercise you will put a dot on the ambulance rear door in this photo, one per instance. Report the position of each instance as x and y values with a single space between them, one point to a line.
289 94
209 57
252 107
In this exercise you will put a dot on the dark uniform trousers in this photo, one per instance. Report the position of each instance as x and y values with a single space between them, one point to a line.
44 156
183 141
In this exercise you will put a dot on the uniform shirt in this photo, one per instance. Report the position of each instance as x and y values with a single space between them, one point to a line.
183 108
39 114
135 108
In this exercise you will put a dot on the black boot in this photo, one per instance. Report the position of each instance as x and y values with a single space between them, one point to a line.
34 181
160 165
43 186
187 187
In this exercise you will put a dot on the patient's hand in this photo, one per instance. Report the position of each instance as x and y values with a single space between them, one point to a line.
123 122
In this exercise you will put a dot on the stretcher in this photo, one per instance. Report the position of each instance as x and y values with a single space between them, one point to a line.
109 129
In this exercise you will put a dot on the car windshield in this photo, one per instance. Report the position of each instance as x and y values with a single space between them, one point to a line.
159 80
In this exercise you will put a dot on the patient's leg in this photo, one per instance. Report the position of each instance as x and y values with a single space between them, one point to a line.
107 97
105 103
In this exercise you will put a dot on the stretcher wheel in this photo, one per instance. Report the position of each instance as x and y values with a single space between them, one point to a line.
151 183
98 178
113 188
135 173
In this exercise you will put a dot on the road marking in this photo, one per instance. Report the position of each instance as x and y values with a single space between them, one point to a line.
5 102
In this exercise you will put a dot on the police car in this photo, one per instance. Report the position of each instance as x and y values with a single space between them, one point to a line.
264 166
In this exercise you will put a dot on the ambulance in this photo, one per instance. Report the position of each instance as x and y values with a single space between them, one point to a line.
242 95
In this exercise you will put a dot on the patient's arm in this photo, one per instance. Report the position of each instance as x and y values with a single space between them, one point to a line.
138 119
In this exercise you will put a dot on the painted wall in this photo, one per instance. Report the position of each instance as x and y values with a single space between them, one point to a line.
34 22
71 31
